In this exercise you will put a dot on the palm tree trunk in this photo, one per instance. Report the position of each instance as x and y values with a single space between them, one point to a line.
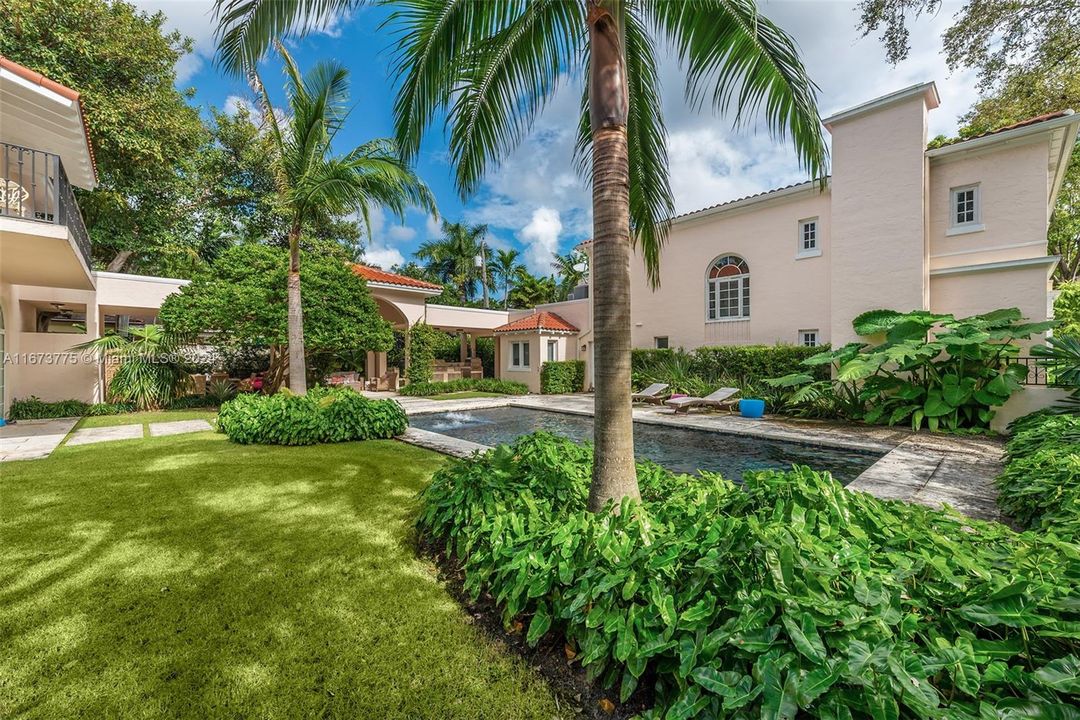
614 474
297 367
483 272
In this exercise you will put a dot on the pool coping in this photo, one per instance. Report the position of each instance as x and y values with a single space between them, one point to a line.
924 468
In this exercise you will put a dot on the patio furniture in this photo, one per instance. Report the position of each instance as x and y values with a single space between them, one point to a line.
722 399
651 394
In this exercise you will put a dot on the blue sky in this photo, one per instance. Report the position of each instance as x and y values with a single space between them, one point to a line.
535 202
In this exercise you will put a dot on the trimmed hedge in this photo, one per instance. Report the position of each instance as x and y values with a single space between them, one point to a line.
489 385
324 415
742 364
564 376
34 408
423 346
788 597
1040 487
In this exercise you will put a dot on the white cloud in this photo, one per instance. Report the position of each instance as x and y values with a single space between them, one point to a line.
234 103
401 233
379 249
541 239
433 227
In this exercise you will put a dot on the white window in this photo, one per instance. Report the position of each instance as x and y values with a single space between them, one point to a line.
808 243
552 350
727 289
661 343
965 209
808 338
519 355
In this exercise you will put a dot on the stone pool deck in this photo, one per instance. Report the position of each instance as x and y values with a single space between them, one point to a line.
924 468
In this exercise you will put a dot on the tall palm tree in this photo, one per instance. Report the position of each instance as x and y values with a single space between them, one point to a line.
532 290
491 66
456 257
572 269
316 184
505 265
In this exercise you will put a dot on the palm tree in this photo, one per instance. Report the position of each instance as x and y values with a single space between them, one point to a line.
315 184
505 265
531 290
572 268
456 258
149 370
490 67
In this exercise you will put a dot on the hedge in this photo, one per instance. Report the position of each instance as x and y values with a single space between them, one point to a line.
564 376
34 408
787 597
742 364
323 415
489 385
1040 487
423 343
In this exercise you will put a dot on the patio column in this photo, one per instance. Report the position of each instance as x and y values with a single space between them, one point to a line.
472 345
461 346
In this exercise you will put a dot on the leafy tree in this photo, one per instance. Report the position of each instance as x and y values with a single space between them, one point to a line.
505 265
997 37
531 290
141 127
241 301
1067 310
314 184
490 67
455 258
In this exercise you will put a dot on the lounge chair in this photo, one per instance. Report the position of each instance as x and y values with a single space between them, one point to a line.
650 394
722 399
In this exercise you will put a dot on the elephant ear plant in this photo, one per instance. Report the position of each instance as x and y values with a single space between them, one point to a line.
930 370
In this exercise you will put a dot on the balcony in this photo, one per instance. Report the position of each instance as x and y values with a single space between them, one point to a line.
34 188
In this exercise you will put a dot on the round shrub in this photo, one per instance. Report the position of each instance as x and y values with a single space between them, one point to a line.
323 415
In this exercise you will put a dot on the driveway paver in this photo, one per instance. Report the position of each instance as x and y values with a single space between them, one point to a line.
178 427
104 434
33 439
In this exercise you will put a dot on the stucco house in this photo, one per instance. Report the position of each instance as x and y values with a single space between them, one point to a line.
958 229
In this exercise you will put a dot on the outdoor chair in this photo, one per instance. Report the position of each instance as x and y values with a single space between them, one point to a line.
652 394
722 399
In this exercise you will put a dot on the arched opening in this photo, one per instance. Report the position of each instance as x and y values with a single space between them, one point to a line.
727 289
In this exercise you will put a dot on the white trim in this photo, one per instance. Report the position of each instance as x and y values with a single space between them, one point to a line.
551 356
497 311
727 320
810 331
522 355
973 225
32 86
989 249
1050 261
140 278
965 229
1004 136
802 253
810 187
927 89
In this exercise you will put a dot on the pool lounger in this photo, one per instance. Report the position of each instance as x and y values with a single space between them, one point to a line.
651 394
722 399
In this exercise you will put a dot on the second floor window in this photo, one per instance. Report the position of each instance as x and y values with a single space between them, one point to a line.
965 205
727 289
808 238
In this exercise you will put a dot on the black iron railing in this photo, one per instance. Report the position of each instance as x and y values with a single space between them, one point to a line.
1036 373
34 186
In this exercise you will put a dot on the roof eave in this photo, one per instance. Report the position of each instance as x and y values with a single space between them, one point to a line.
927 89
1069 118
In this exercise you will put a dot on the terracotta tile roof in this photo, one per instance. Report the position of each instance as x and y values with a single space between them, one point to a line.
1023 123
538 321
381 276
806 183
63 90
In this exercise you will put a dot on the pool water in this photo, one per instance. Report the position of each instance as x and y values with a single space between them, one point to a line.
678 449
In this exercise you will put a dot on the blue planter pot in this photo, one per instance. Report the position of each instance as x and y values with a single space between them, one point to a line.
752 408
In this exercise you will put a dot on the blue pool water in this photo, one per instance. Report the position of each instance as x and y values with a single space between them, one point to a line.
678 449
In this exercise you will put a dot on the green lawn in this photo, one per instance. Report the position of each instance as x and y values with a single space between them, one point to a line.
188 576
138 418
464 394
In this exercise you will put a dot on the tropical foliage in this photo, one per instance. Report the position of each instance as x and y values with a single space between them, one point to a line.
505 267
949 380
486 385
706 368
1061 357
323 415
1040 486
239 303
787 597
34 408
1067 307
149 370
455 259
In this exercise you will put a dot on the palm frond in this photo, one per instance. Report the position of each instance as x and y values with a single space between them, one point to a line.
246 28
740 61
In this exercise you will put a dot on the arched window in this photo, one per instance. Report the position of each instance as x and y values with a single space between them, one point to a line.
727 289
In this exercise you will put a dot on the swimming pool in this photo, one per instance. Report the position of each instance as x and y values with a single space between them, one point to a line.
678 449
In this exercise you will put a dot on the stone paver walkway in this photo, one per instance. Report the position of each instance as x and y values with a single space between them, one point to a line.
178 427
916 467
33 439
88 436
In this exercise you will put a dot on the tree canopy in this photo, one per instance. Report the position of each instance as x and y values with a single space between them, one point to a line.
240 301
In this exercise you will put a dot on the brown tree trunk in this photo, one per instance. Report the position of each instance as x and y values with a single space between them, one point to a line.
614 473
297 367
117 263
